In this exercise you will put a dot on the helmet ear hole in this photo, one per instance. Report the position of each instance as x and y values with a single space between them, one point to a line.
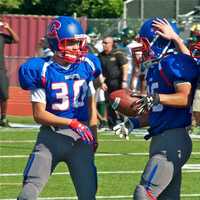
66 36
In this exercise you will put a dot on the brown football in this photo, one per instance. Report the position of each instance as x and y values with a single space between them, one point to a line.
123 101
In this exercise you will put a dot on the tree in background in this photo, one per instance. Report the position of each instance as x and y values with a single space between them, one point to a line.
102 8
9 6
90 8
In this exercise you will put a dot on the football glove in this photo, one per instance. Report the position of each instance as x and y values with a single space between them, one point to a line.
82 130
123 129
147 102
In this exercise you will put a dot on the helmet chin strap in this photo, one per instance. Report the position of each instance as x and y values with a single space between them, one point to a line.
67 57
63 63
165 50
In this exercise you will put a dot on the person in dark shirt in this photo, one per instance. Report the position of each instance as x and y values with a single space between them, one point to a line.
115 71
9 38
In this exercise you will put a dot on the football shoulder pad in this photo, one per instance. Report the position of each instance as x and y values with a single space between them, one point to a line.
179 67
30 73
93 65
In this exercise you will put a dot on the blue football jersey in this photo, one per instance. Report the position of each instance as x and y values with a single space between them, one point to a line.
161 78
66 88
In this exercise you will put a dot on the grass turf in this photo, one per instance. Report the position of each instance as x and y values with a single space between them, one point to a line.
20 142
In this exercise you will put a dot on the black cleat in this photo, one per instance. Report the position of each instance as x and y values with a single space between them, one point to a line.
4 123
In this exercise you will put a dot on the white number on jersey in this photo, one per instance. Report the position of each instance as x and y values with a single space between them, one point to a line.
79 85
159 107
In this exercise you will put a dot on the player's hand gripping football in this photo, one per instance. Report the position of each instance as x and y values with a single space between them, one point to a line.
82 130
123 129
145 103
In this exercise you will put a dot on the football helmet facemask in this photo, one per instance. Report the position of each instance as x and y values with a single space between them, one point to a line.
195 50
67 39
142 52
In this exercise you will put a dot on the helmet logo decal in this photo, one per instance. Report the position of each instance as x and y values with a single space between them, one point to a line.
53 27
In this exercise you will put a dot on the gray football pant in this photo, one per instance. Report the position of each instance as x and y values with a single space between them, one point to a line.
169 151
52 148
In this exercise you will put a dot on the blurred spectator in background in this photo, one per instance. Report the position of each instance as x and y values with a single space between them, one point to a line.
195 32
115 70
93 41
99 45
196 110
43 49
101 109
195 52
101 104
95 47
137 80
5 38
127 43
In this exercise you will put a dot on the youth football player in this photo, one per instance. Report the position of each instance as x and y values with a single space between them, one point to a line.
171 79
63 102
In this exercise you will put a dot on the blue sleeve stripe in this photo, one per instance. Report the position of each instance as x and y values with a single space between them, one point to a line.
29 164
90 63
151 176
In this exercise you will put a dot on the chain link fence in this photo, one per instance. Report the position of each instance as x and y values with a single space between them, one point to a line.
103 27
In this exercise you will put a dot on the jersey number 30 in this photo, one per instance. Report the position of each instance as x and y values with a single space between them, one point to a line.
62 94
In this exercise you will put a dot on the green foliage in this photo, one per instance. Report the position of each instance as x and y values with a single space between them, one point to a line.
102 8
21 119
6 6
89 8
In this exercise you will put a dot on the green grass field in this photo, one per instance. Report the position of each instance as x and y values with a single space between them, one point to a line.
119 164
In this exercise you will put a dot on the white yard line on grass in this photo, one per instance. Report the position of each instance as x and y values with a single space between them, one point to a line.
97 154
196 170
18 126
9 184
191 166
26 126
16 141
100 140
103 197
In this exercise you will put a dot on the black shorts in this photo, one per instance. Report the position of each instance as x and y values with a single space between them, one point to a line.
4 85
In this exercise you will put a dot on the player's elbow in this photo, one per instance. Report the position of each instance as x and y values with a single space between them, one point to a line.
185 101
38 111
36 117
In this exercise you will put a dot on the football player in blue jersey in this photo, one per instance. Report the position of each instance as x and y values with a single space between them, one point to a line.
63 102
171 78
